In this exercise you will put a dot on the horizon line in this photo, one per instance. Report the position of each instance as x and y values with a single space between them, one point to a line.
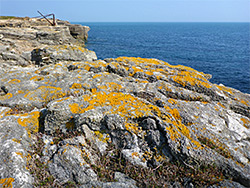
162 21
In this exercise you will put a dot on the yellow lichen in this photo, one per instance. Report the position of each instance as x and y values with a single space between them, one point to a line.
101 137
45 94
14 81
244 102
16 140
135 154
225 89
37 78
186 78
7 182
76 86
246 122
30 121
172 101
74 108
6 97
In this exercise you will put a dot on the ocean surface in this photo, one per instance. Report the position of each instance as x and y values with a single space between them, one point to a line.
220 49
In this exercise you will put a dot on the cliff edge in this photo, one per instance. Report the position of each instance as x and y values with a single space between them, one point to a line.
68 119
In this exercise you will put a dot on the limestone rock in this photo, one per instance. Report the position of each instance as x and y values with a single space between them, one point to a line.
90 113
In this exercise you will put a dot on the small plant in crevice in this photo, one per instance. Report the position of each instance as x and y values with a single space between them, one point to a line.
218 147
58 135
161 176
39 169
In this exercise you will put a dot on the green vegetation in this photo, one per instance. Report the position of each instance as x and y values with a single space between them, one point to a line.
8 17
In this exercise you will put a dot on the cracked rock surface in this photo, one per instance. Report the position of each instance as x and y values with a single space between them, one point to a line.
66 115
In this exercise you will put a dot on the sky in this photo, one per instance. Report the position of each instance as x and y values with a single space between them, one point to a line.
132 10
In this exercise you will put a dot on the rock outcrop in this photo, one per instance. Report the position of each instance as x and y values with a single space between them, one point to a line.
68 119
28 40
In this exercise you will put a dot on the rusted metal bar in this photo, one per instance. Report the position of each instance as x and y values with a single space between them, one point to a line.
54 21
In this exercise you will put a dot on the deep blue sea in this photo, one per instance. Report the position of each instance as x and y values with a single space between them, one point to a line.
220 49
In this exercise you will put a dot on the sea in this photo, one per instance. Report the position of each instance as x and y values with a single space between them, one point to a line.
219 49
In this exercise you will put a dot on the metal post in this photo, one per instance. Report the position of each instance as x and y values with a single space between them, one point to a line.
54 22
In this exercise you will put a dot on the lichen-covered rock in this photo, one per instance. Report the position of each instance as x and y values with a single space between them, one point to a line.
15 143
126 111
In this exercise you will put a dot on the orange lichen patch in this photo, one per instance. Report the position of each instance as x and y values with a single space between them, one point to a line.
244 102
14 81
19 153
136 69
20 92
221 105
135 154
76 86
111 87
172 101
5 112
63 99
30 121
138 60
123 104
133 128
7 182
7 96
97 75
37 78
225 89
164 86
148 73
141 81
75 108
16 140
216 108
191 78
176 127
45 94
246 122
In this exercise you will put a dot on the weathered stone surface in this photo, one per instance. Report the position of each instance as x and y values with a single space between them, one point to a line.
23 42
15 143
147 110
79 31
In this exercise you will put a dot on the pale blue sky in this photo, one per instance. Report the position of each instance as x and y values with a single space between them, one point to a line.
133 10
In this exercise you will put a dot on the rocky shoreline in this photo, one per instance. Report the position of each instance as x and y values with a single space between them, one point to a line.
69 119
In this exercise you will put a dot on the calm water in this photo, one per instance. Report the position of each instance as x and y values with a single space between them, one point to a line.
220 49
